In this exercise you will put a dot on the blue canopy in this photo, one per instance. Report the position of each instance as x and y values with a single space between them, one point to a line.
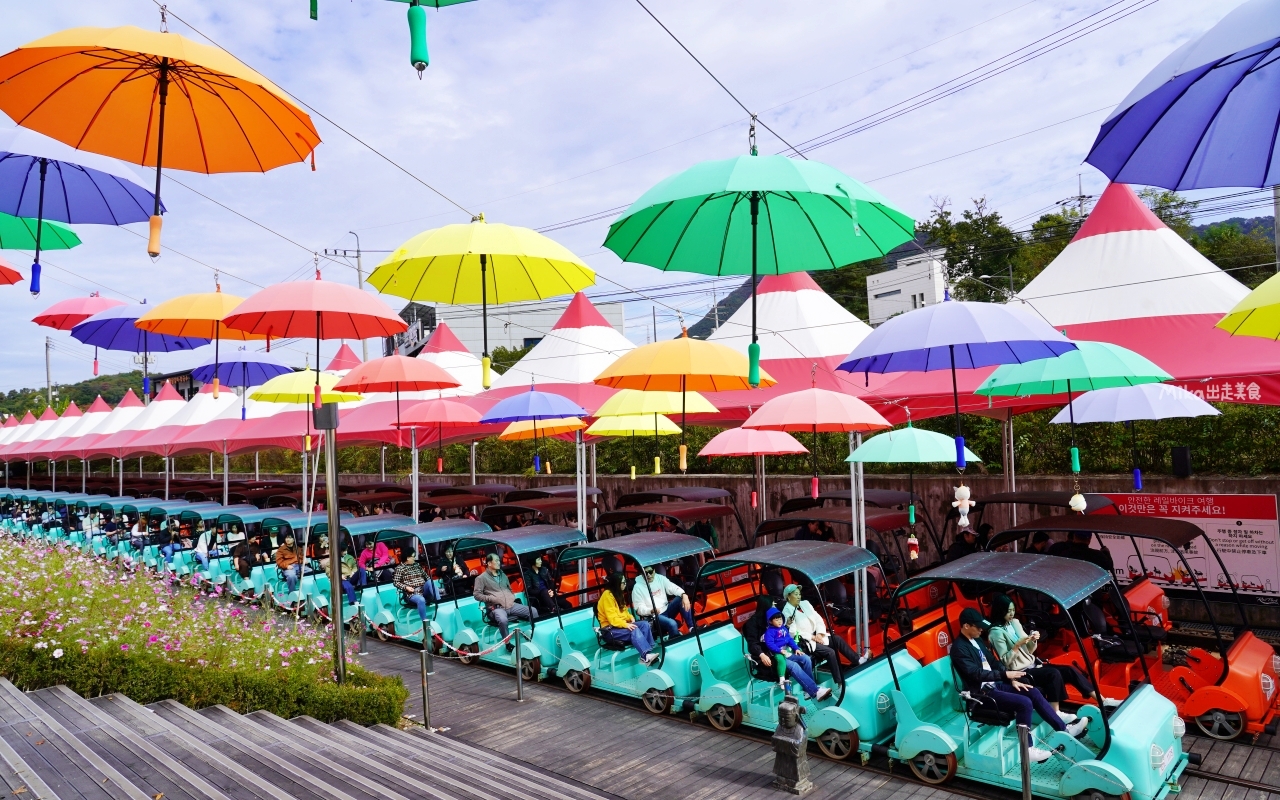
148 504
214 512
529 539
240 368
445 530
818 561
1066 580
91 500
250 515
296 520
532 405
647 549
360 526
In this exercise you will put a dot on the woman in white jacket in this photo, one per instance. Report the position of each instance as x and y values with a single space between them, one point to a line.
808 627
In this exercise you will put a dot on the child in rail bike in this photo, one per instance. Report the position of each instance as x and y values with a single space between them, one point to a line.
786 652
809 629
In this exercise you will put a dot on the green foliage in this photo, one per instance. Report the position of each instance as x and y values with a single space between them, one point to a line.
1250 257
504 358
1049 235
111 387
1172 208
848 284
978 243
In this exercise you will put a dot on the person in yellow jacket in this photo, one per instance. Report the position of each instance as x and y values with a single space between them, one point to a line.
617 624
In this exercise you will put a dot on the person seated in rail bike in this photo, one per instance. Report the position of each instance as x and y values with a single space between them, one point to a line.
542 587
809 629
661 603
349 572
1040 543
413 583
171 542
966 543
788 658
1077 546
984 676
375 559
453 573
289 561
493 590
618 624
1016 648
707 532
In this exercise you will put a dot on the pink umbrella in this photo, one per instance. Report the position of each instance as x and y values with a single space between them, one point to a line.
67 314
440 414
754 442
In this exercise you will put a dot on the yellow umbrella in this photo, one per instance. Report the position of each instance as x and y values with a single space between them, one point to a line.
198 315
300 387
155 99
634 401
531 429
654 425
481 263
1258 314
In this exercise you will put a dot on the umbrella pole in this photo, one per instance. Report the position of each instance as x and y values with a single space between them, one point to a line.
153 240
146 371
955 397
1133 438
217 340
244 395
484 323
1071 412
35 265
753 349
318 323
813 489
440 448
399 433
684 449
413 444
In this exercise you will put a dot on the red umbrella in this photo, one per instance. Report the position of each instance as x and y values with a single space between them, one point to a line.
394 373
441 414
819 411
315 310
8 275
65 315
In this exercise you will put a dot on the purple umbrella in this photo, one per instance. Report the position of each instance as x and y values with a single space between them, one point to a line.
533 405
113 329
243 369
45 179
954 335
1205 117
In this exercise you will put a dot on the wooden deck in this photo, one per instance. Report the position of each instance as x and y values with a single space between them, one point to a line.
624 751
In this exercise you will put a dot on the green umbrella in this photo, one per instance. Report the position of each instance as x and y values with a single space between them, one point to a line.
757 214
19 233
909 446
1093 365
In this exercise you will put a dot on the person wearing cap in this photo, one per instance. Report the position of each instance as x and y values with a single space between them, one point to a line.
661 602
808 627
966 543
789 658
982 674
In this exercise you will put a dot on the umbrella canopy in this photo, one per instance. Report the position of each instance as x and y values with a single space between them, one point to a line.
197 315
817 411
757 214
114 329
1092 365
66 314
8 275
535 429
1127 403
300 387
440 413
481 263
908 446
394 374
19 233
634 425
155 99
1258 314
753 442
240 368
681 364
633 401
532 405
1206 115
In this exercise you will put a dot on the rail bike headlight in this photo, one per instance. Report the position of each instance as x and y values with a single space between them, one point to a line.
883 703
1275 664
1179 727
1164 600
1268 686
1157 757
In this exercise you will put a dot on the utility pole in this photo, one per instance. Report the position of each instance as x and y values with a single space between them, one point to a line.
715 309
364 345
654 309
48 372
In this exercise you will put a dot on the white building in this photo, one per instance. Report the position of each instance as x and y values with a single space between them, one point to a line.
516 325
912 282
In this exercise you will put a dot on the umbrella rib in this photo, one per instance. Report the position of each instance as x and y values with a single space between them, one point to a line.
773 240
1225 95
724 239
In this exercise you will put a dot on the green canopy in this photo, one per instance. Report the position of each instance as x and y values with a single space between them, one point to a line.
908 446
1093 365
19 233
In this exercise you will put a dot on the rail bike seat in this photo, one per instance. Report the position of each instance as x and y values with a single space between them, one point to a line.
1111 649
609 644
982 709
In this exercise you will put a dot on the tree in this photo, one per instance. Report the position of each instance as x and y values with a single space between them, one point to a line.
847 285
1249 257
977 244
1172 208
504 358
1048 237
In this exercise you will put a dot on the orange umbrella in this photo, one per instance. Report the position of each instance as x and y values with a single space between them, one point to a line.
155 99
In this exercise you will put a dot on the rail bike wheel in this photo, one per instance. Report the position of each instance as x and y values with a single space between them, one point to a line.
577 681
1098 794
531 668
1220 724
467 654
724 718
658 701
838 744
934 768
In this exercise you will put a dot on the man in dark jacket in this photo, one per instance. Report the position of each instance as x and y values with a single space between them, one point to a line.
982 674
966 543
1077 546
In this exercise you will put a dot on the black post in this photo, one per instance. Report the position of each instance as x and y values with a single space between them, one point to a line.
35 267
164 97
484 315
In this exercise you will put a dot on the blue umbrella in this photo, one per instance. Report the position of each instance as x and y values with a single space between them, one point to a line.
242 369
113 329
954 335
1205 116
45 179
533 405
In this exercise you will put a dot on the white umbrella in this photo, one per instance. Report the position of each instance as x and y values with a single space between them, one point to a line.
1131 403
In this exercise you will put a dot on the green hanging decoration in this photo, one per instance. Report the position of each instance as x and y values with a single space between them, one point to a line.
419 56
315 9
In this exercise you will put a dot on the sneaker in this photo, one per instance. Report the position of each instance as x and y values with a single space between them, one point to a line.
782 684
511 646
649 659
1111 702
1037 755
823 694
1067 717
1076 728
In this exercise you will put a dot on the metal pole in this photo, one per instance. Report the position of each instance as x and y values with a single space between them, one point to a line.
84 468
48 372
1024 756
580 480
256 474
1013 470
864 620
516 633
427 669
53 475
226 476
121 493
473 463
595 483
382 464
335 559
166 480
413 478
210 465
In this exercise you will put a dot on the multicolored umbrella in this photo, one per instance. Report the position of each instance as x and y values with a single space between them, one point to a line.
66 314
396 373
8 275
440 414
757 214
22 233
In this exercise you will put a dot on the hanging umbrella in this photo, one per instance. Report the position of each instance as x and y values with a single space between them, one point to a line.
1128 404
418 55
633 401
241 370
45 179
300 387
1092 365
654 425
155 99
758 443
8 275
66 314
481 263
524 431
1258 314
755 215
114 329
197 315
441 414
21 233
1205 117
317 310
533 406
682 365
954 335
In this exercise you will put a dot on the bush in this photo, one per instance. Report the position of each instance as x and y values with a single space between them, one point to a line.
72 620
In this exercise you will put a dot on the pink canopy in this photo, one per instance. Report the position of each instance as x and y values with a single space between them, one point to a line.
752 442
819 411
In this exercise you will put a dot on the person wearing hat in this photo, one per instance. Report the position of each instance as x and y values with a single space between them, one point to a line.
1077 546
789 658
984 675
966 543
809 629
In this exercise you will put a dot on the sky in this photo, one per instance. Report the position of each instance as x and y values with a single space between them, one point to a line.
541 113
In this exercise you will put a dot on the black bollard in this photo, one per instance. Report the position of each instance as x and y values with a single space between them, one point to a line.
791 749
